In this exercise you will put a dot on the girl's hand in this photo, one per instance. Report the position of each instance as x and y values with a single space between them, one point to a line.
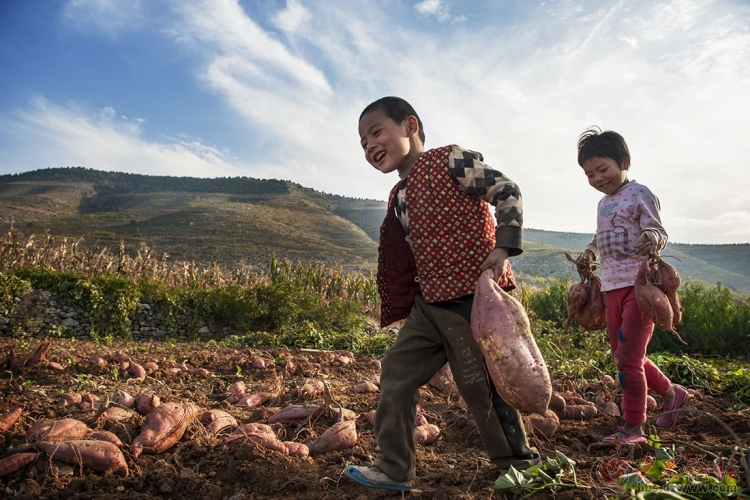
498 261
646 243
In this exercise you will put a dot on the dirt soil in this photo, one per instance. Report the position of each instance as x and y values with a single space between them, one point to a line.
454 467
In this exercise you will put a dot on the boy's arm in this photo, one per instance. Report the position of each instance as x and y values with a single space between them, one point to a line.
476 178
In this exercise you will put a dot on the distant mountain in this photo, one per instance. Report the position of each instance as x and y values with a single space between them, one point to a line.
241 219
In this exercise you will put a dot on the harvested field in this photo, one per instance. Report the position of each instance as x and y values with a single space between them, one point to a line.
214 468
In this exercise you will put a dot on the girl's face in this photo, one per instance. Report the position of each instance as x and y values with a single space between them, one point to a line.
605 174
388 145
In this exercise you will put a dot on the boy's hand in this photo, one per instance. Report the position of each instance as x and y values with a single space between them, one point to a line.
646 243
497 260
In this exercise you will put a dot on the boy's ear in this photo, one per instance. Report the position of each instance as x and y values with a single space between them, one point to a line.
626 163
412 126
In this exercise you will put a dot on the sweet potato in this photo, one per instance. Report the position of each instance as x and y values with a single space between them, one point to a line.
137 371
217 420
12 463
123 398
145 402
668 282
593 315
577 297
340 436
58 430
580 412
443 379
366 387
546 424
295 413
426 434
312 388
150 367
501 328
651 403
105 436
8 419
100 456
653 302
255 399
164 426
610 408
296 449
556 403
261 434
115 414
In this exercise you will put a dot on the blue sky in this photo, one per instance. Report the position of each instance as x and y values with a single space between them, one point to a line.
273 89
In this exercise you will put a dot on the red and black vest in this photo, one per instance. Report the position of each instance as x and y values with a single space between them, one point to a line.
451 234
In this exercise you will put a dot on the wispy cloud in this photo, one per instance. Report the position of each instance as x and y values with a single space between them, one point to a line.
106 17
74 136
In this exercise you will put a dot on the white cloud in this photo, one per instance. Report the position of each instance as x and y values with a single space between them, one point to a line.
441 9
107 17
51 135
292 17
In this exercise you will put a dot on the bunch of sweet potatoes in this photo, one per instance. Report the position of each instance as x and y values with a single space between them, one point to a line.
656 287
585 298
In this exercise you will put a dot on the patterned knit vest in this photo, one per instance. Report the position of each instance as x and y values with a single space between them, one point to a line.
451 233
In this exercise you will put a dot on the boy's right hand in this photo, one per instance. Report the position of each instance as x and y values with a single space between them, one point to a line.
589 255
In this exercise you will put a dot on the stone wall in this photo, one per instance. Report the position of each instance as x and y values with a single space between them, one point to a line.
39 313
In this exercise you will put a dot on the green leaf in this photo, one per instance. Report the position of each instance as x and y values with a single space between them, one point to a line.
664 454
510 480
634 480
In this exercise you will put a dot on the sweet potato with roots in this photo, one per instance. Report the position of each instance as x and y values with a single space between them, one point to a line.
501 328
585 298
261 434
296 413
9 418
652 301
17 461
296 449
340 436
255 399
164 426
58 430
100 456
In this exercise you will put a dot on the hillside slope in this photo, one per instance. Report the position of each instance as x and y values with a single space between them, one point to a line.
232 220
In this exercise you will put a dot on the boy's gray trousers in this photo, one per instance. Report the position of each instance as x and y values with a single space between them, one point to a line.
433 334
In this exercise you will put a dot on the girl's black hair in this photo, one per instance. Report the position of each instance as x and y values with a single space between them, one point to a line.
608 144
396 109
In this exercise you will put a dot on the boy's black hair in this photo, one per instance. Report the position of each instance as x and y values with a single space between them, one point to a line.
396 109
608 144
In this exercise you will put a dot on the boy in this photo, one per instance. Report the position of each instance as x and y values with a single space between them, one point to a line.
628 230
435 241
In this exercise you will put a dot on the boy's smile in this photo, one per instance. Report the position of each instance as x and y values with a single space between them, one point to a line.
605 174
389 145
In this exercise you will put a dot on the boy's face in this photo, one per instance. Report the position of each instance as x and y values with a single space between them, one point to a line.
388 145
605 174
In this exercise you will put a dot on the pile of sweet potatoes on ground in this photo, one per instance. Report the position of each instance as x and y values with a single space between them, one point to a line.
108 432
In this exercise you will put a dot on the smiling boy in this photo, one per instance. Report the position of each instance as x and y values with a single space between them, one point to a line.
437 238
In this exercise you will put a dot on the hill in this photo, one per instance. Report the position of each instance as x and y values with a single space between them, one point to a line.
231 220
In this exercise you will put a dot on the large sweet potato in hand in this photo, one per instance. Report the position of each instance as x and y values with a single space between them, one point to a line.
501 328
652 301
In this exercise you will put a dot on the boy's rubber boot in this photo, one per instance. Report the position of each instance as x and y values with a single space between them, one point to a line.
524 456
